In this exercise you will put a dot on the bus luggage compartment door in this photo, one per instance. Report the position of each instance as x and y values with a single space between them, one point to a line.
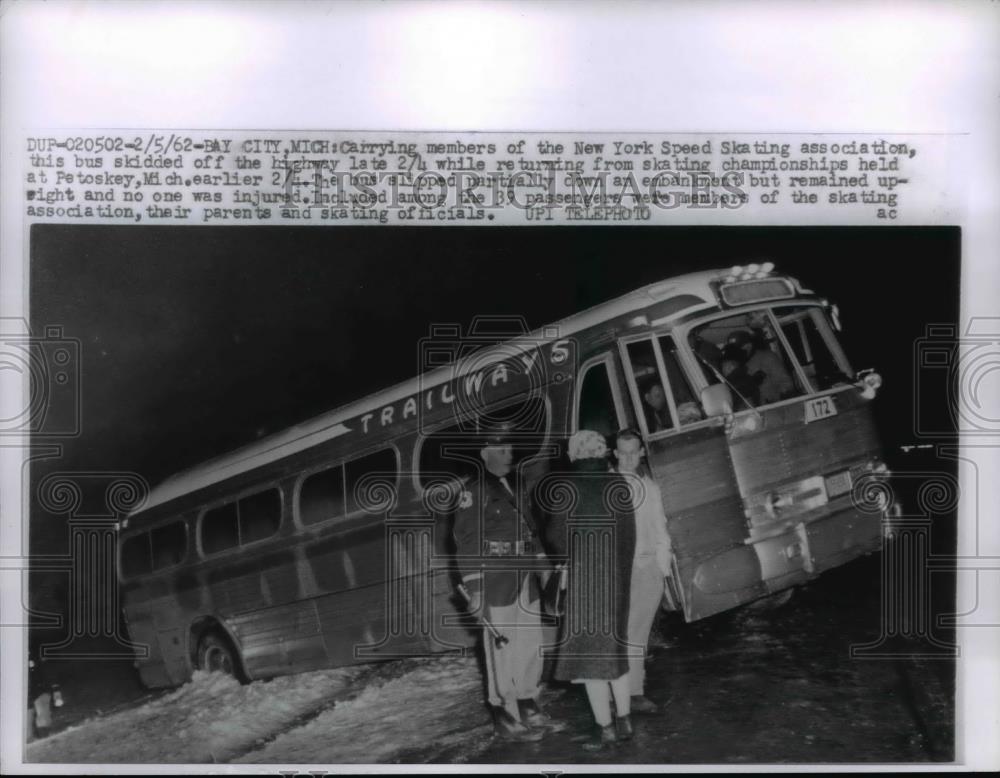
714 568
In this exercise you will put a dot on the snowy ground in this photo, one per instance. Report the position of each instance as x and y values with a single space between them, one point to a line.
750 686
367 714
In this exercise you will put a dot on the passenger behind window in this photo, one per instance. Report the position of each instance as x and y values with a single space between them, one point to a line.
762 364
745 386
654 405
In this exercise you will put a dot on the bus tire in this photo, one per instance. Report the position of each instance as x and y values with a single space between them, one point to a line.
772 601
216 654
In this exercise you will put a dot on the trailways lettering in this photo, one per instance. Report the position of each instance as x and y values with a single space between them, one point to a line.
475 390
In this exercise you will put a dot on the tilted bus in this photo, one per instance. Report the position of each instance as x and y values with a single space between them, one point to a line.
328 543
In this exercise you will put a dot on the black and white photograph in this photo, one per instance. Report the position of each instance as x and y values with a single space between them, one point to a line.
498 386
364 511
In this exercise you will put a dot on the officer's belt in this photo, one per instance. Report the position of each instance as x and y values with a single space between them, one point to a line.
507 547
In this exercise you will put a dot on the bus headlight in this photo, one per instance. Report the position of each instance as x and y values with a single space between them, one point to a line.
746 424
870 384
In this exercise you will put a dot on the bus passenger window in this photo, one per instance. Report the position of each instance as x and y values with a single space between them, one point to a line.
652 395
450 451
685 399
322 496
260 515
597 401
135 556
218 529
169 544
377 470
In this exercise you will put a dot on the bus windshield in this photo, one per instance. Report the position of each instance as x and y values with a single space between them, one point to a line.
771 355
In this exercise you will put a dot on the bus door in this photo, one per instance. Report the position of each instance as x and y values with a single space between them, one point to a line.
600 404
688 454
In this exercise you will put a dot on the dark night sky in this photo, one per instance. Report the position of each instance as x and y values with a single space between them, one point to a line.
195 340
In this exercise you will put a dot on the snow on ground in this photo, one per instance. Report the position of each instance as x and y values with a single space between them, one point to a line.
212 718
435 704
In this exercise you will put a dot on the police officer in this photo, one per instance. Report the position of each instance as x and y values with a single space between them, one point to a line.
497 546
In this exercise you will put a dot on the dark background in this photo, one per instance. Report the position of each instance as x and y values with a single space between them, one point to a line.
196 340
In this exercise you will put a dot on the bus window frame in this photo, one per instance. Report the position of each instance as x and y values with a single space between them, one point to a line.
148 532
346 516
683 332
683 361
121 563
300 480
391 446
827 335
187 543
786 344
422 436
606 357
239 539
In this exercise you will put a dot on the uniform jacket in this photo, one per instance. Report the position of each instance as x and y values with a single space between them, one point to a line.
493 530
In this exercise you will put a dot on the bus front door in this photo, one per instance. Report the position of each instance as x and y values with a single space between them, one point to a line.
713 567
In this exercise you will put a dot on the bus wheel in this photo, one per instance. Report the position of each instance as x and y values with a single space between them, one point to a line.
772 601
216 655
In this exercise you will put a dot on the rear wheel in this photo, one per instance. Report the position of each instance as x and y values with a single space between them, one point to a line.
217 655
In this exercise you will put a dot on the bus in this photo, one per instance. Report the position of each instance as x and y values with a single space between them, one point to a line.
330 543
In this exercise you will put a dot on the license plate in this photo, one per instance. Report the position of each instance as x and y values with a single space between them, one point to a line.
820 408
838 483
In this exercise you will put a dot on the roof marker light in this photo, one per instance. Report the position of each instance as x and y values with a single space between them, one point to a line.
753 267
767 267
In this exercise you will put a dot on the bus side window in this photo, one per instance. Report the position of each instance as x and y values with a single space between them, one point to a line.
597 401
260 515
322 496
685 398
652 394
451 451
135 556
383 469
218 529
169 544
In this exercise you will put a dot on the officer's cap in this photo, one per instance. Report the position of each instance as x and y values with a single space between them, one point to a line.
498 436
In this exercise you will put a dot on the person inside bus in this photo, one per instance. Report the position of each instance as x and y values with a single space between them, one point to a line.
734 369
775 382
651 563
654 405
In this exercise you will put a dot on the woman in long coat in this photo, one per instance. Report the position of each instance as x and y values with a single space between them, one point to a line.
593 527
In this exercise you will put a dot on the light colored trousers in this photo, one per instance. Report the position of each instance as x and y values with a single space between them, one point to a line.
600 692
645 595
514 671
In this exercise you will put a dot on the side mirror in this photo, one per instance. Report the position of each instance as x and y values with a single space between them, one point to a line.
717 400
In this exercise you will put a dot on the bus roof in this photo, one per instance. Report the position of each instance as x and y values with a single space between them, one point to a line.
328 425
